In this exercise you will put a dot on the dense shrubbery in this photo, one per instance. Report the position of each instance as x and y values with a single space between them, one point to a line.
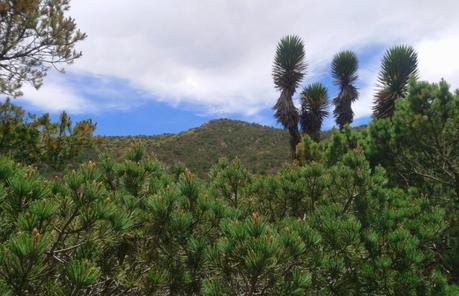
32 139
366 213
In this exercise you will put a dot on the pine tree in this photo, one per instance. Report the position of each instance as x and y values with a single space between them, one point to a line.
337 222
36 35
36 140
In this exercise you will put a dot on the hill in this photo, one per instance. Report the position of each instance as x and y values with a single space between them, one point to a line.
261 149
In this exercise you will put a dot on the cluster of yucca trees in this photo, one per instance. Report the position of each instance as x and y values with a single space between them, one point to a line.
398 65
366 213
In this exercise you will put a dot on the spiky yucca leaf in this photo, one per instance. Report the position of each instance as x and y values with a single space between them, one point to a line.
314 109
344 72
398 65
344 67
289 64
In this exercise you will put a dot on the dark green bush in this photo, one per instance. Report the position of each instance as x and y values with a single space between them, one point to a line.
351 217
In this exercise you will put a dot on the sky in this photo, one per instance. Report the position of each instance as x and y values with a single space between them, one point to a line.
153 66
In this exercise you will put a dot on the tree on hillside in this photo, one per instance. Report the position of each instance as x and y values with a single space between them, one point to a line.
34 36
32 139
398 65
314 105
344 72
288 71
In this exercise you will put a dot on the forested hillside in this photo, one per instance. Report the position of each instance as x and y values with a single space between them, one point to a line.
261 149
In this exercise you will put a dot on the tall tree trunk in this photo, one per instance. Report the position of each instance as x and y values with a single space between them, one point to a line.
316 136
295 138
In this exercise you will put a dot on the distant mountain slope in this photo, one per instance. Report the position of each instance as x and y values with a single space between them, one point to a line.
261 149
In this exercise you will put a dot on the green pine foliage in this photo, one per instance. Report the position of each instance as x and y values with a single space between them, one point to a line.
35 35
370 212
36 140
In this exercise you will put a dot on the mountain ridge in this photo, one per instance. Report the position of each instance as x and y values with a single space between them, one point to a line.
262 149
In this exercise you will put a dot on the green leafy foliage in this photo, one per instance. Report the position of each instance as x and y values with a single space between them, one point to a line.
81 273
344 71
372 212
419 148
36 35
314 109
229 179
289 64
37 140
398 65
260 149
339 221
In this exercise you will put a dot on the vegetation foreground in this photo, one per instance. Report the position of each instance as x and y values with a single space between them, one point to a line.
369 212
372 212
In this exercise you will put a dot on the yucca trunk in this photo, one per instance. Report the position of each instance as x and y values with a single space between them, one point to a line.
287 115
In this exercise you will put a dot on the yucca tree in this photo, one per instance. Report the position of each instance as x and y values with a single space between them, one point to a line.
398 65
288 71
314 109
344 72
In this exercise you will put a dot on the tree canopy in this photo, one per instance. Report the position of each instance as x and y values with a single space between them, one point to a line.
370 212
35 35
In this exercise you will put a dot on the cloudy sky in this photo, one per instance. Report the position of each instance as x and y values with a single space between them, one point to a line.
152 66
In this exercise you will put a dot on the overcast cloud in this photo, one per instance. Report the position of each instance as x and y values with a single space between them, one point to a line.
217 54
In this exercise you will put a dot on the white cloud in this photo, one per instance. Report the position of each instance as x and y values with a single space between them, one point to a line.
218 53
438 59
82 94
369 76
56 97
